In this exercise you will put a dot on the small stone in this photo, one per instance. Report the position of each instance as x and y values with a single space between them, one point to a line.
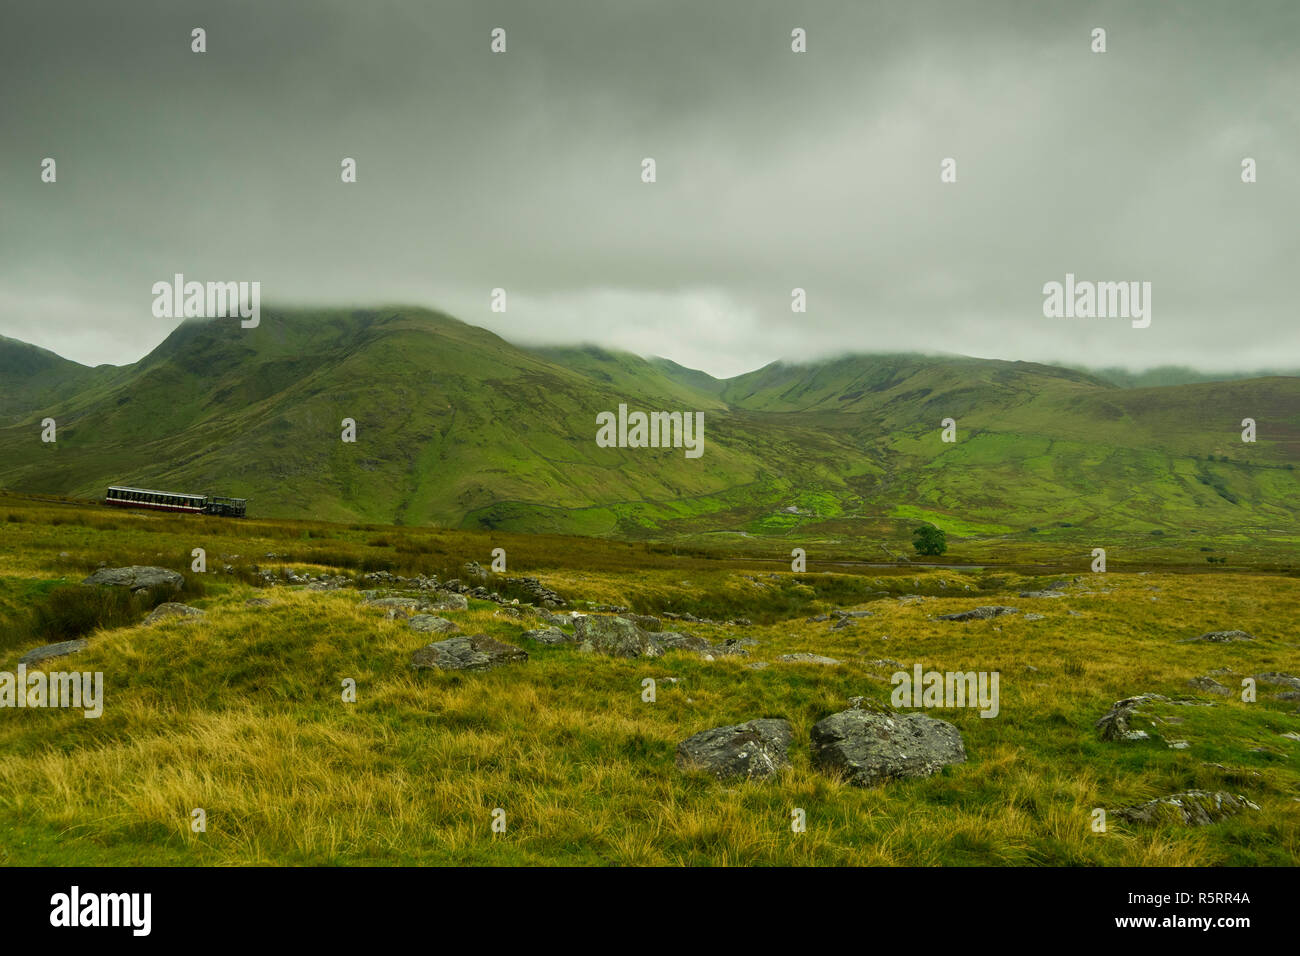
805 658
431 624
476 652
1218 637
980 613
49 651
169 610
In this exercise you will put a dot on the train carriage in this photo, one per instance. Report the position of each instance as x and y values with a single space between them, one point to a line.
125 497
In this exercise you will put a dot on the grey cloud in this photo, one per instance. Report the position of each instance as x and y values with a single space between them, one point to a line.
775 171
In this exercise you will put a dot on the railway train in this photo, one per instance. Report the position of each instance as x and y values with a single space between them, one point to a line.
125 497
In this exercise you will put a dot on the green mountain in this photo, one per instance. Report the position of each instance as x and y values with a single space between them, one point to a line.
33 378
457 427
1180 375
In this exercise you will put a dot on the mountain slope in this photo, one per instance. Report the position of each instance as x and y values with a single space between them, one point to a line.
33 378
456 426
451 421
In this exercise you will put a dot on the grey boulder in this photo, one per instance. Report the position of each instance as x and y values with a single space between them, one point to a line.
431 624
980 613
1278 679
446 601
169 610
1191 808
874 746
615 636
1210 686
61 649
803 657
137 578
753 751
1116 723
475 652
549 635
403 603
674 641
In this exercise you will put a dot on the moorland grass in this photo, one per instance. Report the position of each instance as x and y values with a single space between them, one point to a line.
241 714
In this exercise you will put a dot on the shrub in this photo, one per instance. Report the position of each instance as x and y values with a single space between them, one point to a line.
927 539
71 611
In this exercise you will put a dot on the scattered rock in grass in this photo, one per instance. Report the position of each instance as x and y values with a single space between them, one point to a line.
1178 744
873 746
1190 808
49 651
404 603
172 610
1042 594
446 601
137 578
979 613
257 602
1218 637
556 620
1035 617
1115 724
431 624
731 647
1291 735
804 658
754 750
536 592
549 635
475 652
616 636
1210 686
1277 679
674 641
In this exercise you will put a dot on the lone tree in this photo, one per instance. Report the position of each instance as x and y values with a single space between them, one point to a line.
928 539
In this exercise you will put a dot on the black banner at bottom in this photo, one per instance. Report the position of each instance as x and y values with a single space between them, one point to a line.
337 905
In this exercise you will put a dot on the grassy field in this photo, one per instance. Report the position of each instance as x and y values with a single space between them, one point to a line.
241 714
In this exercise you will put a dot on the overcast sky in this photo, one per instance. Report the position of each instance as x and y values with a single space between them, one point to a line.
775 170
